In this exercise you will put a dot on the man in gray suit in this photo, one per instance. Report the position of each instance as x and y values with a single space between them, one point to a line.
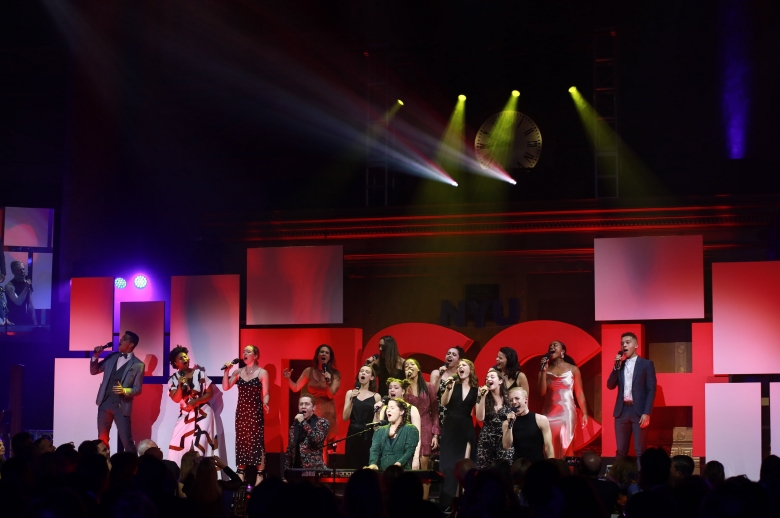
123 378
635 380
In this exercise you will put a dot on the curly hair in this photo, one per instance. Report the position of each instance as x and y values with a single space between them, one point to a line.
405 383
175 352
406 407
473 381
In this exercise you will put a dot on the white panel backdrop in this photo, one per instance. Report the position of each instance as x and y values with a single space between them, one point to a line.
774 417
733 417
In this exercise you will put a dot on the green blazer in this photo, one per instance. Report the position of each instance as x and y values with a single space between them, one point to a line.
385 453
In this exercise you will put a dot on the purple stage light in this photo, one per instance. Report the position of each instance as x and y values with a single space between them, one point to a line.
140 281
120 283
736 78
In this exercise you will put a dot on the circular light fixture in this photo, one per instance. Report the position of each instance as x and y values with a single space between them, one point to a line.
515 93
140 281
572 89
461 97
120 283
400 102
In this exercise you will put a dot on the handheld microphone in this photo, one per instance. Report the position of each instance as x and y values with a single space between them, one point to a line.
29 284
481 393
297 423
619 361
512 421
372 359
357 389
385 399
324 367
546 359
452 379
109 344
235 361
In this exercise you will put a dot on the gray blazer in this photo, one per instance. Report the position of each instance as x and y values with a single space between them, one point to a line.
133 378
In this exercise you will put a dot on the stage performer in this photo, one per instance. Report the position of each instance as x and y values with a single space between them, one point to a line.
322 382
508 369
389 363
192 390
492 408
422 395
635 380
18 294
359 411
395 442
252 406
440 376
559 382
307 437
123 379
528 432
458 437
396 388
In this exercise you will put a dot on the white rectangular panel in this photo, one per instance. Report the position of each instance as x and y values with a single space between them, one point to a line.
42 264
774 418
733 424
204 318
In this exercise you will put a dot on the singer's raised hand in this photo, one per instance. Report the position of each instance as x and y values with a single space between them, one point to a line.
228 366
287 373
328 377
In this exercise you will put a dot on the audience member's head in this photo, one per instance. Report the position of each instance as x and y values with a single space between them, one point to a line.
540 480
66 458
206 488
363 495
22 445
155 452
625 471
406 491
682 468
655 468
89 447
580 499
519 470
591 464
187 463
770 468
173 468
123 467
44 445
145 445
714 473
388 478
490 495
689 492
462 467
92 473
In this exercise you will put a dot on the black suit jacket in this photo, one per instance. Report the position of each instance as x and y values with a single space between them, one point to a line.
642 388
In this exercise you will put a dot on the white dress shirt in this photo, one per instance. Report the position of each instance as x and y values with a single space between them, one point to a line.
628 378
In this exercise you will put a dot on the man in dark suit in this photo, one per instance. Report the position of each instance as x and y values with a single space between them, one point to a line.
123 378
635 380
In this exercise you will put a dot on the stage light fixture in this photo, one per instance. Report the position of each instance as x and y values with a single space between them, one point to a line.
572 89
454 183
400 102
120 283
515 93
140 281
461 97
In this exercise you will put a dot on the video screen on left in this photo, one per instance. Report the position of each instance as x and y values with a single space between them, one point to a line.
26 259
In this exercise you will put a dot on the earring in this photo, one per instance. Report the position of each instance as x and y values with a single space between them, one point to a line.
563 355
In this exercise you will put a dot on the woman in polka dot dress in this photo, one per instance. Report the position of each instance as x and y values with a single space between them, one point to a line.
252 381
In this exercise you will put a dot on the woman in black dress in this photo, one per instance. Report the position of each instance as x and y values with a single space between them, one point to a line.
458 439
492 409
389 363
359 411
252 381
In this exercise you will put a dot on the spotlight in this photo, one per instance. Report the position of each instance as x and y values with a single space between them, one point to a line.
400 102
120 283
140 281
461 97
572 89
454 183
515 93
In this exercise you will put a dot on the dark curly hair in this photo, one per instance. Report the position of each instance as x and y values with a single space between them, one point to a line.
175 352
